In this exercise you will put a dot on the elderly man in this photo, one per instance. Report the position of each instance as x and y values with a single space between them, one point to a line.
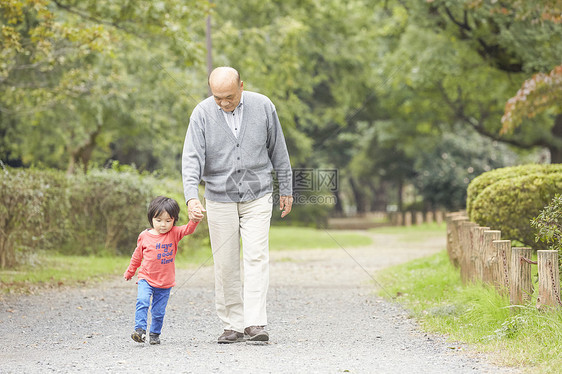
233 143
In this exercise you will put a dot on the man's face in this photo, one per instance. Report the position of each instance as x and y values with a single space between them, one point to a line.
227 95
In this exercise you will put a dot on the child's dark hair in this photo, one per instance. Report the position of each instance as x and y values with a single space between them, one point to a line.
163 204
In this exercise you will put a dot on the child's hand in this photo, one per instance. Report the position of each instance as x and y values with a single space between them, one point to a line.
127 277
195 210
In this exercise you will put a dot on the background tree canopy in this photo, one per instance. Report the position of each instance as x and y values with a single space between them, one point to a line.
379 90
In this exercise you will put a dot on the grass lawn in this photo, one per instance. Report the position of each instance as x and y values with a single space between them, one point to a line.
431 289
413 233
53 270
286 237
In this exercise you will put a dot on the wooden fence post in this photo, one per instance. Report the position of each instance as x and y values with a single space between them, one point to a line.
488 258
398 217
479 250
521 284
466 248
454 246
549 279
502 250
429 216
418 217
408 219
438 217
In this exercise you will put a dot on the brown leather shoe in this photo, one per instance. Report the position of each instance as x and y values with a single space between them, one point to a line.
256 333
231 336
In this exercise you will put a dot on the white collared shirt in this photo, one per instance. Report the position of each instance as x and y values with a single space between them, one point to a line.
234 118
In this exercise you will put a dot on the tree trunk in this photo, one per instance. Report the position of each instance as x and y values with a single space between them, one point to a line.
556 152
379 197
400 197
338 208
7 256
83 153
359 197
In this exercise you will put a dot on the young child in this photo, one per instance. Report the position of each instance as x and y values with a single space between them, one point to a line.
155 253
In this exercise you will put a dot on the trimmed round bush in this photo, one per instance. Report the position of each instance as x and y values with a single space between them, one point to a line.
510 204
486 179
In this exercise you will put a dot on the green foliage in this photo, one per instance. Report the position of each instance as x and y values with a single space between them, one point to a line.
444 172
84 81
367 92
510 202
29 204
548 225
107 211
310 208
486 179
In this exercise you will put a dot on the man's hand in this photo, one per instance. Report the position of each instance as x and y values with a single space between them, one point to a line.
285 204
195 210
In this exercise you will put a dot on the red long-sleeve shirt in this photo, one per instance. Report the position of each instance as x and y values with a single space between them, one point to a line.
155 255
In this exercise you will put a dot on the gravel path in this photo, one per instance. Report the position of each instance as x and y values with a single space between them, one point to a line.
324 318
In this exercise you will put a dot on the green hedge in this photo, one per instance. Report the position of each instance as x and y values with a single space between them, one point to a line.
514 199
95 214
29 203
484 180
107 211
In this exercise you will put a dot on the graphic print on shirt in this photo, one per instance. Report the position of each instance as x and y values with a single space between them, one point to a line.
167 253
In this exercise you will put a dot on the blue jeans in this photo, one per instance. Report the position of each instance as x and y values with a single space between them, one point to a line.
160 298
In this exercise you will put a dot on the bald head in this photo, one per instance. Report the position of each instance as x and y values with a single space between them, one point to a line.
224 75
226 87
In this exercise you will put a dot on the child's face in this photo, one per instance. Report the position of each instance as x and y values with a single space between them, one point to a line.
163 223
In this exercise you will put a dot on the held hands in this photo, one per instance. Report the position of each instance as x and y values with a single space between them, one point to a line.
285 204
195 210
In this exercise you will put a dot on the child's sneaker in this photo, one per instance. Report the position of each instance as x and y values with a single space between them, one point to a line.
154 338
139 335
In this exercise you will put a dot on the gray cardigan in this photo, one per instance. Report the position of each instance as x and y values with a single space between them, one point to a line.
235 169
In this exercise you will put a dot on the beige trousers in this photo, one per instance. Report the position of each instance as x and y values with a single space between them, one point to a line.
228 223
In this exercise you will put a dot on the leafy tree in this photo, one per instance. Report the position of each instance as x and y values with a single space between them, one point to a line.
71 77
445 171
516 38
